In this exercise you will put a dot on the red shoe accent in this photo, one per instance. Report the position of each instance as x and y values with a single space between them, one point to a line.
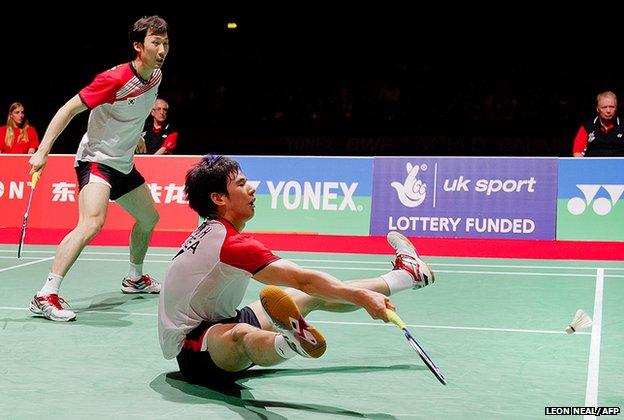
52 299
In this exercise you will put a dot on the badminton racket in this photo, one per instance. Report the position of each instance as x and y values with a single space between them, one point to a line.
33 183
396 320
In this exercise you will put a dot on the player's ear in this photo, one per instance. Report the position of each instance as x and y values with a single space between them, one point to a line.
137 46
218 198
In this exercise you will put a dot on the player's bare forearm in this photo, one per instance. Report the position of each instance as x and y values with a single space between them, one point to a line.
58 123
325 286
316 283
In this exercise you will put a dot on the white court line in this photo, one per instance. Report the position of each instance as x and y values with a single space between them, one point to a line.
514 273
78 310
7 257
570 267
510 273
25 264
593 368
87 252
384 263
120 260
447 327
324 267
373 324
435 264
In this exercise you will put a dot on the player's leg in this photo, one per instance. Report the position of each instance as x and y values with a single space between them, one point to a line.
284 311
92 208
140 205
235 347
408 259
277 311
409 272
390 283
230 346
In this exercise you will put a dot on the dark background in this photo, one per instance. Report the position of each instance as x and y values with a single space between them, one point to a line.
415 81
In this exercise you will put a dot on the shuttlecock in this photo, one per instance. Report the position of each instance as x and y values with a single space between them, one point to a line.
581 320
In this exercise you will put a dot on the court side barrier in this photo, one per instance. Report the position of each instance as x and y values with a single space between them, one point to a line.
482 205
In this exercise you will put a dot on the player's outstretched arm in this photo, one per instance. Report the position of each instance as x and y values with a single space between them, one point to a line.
58 123
320 284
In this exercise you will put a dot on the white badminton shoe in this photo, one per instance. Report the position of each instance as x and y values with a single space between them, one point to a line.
144 284
283 312
50 307
408 260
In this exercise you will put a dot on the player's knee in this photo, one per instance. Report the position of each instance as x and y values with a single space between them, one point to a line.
93 226
239 331
149 221
238 334
155 219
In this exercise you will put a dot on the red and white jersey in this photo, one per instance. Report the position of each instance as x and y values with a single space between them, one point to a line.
120 101
207 280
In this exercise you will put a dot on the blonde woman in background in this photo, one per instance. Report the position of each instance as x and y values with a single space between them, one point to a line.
18 136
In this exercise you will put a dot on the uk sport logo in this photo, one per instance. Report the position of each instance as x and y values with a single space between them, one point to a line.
601 205
413 191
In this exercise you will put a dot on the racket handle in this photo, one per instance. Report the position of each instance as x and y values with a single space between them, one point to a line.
35 179
395 319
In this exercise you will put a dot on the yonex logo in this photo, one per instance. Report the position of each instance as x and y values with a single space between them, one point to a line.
412 192
325 195
601 205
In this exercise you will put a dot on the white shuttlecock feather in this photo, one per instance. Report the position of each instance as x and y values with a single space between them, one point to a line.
581 320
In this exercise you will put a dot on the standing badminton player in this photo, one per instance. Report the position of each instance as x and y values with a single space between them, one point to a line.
199 322
120 99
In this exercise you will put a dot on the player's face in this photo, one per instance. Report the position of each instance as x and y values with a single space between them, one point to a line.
240 200
154 50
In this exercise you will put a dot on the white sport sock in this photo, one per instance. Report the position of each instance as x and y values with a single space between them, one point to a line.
398 280
282 348
135 271
51 285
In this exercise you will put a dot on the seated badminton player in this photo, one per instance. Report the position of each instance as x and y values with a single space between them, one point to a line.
199 319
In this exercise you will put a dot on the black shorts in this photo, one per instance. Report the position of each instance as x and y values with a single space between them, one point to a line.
119 182
197 366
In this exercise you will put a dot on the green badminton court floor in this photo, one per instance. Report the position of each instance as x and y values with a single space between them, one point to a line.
494 327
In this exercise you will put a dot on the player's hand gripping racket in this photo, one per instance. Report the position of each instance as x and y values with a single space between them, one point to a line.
33 183
394 318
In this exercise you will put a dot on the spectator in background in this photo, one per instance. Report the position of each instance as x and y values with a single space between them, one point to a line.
159 136
603 135
17 136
